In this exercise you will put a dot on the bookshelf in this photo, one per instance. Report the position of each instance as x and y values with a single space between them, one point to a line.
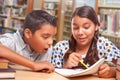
53 7
69 6
12 14
109 16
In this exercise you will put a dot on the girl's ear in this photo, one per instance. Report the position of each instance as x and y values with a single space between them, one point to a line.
27 33
96 27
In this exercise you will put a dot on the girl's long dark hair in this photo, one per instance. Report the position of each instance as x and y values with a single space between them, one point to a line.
92 54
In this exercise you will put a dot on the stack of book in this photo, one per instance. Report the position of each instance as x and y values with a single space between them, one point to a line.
3 63
5 70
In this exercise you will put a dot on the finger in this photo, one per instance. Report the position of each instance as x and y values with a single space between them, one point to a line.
78 55
48 70
52 68
74 61
72 65
105 70
103 75
103 66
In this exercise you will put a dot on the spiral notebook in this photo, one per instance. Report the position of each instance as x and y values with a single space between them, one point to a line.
80 72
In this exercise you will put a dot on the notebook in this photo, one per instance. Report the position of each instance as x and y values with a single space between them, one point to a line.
80 72
7 73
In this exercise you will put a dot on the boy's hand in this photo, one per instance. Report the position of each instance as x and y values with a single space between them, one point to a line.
44 66
73 60
106 71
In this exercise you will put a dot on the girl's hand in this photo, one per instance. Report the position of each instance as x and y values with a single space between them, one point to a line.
73 60
106 71
44 66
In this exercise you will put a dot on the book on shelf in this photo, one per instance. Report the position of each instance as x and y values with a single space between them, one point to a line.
110 22
110 18
7 73
3 63
80 72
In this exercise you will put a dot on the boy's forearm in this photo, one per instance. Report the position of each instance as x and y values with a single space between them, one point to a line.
15 57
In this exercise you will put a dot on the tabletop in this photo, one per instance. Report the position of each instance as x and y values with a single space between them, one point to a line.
23 73
28 75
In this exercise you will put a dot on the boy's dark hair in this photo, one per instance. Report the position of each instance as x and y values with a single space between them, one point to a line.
92 54
37 18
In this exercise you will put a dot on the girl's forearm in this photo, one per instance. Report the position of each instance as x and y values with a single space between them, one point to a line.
113 72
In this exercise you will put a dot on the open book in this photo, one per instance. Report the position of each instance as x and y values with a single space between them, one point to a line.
79 72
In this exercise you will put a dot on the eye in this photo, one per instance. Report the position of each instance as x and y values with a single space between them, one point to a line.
75 27
45 36
86 26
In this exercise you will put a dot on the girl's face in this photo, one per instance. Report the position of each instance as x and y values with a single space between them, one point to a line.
42 39
83 30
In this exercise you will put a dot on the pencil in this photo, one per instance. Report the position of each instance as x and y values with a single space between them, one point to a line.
81 61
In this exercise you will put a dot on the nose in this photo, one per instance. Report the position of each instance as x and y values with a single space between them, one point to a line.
50 42
80 31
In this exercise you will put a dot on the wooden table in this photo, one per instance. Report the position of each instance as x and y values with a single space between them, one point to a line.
29 75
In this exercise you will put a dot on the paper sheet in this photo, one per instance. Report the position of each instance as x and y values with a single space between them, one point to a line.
79 72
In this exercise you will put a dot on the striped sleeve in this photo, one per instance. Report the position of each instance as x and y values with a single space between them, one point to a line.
7 40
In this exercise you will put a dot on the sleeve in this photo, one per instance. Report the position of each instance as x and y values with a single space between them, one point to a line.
58 53
7 40
108 50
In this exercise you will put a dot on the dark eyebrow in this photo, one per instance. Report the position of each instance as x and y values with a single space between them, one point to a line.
46 34
86 23
75 24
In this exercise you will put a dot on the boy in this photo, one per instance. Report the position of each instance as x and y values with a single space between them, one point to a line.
32 41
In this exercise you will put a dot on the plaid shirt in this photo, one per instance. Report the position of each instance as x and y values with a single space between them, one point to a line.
16 43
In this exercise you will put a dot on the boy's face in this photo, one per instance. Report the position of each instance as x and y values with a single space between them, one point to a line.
42 39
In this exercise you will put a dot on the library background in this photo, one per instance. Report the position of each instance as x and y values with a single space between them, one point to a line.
13 12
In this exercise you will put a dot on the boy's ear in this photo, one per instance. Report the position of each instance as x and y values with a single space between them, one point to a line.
27 33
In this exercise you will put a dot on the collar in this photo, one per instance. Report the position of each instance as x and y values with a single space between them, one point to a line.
20 41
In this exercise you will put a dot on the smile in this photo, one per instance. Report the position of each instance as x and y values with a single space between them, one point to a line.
81 39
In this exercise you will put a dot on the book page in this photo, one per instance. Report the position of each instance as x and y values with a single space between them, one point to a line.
80 72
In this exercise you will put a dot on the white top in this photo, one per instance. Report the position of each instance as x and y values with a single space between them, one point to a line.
16 43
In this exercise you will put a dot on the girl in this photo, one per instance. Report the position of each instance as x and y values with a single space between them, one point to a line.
85 44
31 46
